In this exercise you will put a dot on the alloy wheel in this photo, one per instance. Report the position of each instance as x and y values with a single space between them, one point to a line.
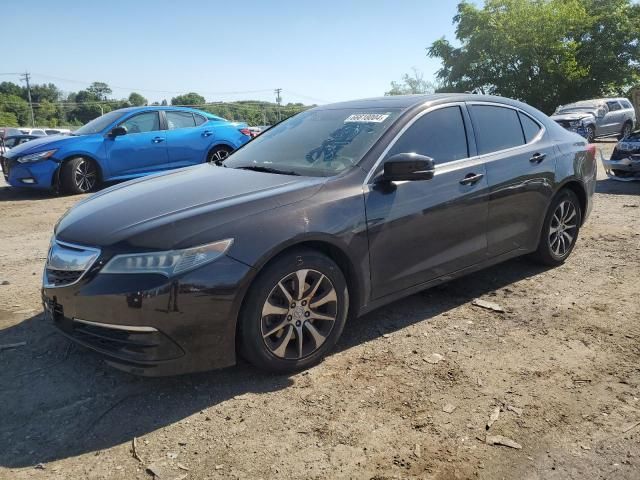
626 130
563 228
85 176
218 156
591 134
299 314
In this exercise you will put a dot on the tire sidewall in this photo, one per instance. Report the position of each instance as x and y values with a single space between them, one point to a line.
68 176
591 133
213 150
252 346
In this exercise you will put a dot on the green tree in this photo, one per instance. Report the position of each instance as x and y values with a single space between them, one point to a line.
10 88
410 84
17 106
137 100
100 89
544 52
8 119
190 98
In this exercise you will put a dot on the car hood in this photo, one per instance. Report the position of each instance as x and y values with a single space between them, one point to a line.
167 211
41 144
571 116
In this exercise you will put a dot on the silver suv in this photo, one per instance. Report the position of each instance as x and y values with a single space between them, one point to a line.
598 118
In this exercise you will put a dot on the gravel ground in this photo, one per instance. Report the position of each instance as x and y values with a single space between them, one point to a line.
559 366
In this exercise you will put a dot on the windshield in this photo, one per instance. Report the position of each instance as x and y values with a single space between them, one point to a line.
319 142
97 125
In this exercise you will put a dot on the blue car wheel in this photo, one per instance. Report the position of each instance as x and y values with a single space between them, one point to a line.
218 154
79 175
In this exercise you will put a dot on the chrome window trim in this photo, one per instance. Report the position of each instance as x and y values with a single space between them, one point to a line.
472 160
76 247
128 328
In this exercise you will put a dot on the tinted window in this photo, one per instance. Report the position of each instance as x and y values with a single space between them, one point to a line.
530 127
613 106
180 120
199 119
144 122
497 128
626 104
439 134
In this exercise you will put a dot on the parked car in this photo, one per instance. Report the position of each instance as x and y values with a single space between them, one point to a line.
13 141
624 163
9 132
120 145
32 131
597 118
57 131
333 212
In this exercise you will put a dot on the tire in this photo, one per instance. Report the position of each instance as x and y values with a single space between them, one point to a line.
560 229
79 175
218 154
271 324
627 129
591 133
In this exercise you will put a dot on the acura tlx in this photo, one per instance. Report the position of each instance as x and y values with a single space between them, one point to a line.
325 216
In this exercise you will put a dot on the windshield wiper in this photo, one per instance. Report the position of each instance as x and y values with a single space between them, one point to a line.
258 168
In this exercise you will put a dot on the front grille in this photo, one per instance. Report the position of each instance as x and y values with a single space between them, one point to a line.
59 278
67 263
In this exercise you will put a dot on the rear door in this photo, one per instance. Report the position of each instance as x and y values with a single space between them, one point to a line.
188 137
142 150
421 230
520 163
614 119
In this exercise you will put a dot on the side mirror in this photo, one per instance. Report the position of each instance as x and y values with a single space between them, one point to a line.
407 167
118 131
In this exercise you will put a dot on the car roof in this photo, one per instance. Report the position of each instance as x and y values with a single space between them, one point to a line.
405 102
161 107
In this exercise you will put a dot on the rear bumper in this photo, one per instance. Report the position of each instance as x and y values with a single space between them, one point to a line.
153 326
39 175
625 169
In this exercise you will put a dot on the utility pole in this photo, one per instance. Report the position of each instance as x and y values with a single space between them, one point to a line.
278 100
26 76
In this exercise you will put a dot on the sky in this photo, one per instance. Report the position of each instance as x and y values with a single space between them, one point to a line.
316 51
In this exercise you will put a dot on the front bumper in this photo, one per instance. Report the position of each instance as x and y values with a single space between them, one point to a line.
149 325
38 175
625 169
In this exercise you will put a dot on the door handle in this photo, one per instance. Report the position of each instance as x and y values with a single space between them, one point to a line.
207 133
538 157
471 178
157 139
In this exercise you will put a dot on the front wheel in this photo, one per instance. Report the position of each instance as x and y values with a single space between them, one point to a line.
218 154
79 175
294 313
591 133
560 229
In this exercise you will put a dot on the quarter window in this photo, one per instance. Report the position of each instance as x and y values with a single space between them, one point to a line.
177 120
439 134
143 122
199 119
496 128
529 127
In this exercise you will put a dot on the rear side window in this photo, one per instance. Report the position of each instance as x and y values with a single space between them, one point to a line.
529 127
439 134
496 128
199 119
177 120
626 104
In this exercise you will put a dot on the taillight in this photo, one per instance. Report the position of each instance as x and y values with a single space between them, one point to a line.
245 131
591 151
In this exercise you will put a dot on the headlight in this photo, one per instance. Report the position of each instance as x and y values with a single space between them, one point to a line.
34 157
167 263
575 123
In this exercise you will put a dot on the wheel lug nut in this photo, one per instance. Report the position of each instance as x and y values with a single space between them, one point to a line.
288 317
306 314
293 304
304 302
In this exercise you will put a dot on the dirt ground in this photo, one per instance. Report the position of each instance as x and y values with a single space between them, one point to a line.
565 353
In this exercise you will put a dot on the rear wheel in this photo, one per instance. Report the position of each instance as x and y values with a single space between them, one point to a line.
218 154
560 229
294 313
79 175
626 130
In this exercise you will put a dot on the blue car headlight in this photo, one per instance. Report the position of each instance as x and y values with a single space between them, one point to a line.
34 157
167 263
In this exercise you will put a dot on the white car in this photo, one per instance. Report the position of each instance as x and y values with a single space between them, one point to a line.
33 131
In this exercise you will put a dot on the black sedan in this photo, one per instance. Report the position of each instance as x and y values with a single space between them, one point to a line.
325 216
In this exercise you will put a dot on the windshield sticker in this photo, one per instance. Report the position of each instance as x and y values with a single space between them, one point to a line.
367 118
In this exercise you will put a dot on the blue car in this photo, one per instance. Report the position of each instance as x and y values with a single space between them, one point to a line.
123 144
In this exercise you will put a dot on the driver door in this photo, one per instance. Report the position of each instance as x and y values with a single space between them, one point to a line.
143 149
421 230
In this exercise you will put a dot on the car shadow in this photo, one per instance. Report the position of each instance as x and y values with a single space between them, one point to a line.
12 194
616 187
60 400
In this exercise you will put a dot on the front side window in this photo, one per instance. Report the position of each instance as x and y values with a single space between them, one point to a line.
143 122
439 134
496 128
614 106
177 120
321 142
